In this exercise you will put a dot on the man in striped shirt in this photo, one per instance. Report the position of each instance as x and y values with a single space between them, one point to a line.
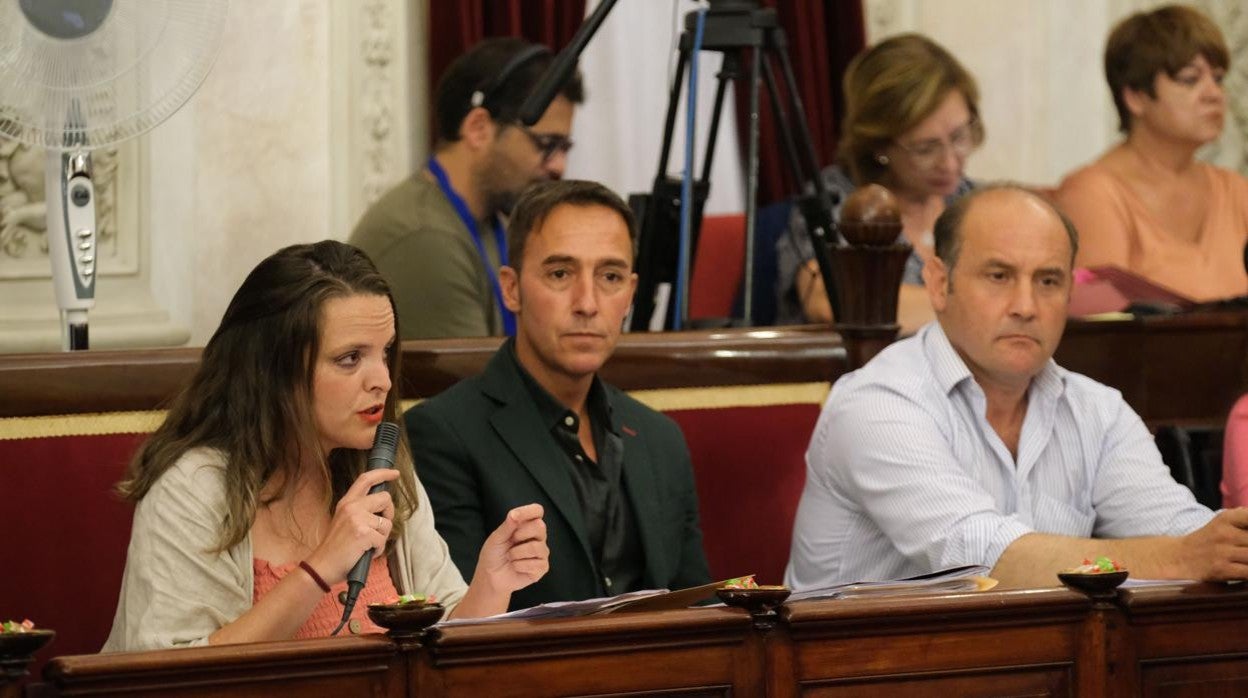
966 443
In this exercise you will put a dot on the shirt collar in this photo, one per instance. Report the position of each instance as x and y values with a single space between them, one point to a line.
552 412
950 370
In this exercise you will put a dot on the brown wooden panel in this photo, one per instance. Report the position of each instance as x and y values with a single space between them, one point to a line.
1160 641
1185 621
692 652
1185 369
656 359
1177 370
107 381
349 666
1013 681
92 381
1189 640
1196 679
885 655
705 670
1019 638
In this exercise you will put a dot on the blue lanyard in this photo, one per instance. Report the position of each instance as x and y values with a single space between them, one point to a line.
500 239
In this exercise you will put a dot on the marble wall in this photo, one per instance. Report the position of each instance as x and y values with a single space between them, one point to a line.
305 117
315 106
1044 100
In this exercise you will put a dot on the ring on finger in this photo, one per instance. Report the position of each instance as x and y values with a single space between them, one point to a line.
379 522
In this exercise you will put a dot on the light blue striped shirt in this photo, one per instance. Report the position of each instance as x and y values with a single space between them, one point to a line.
904 475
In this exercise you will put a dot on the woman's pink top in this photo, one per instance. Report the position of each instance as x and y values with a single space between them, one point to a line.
1208 268
1235 457
328 612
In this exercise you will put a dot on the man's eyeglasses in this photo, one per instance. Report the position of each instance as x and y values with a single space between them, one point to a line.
548 144
929 153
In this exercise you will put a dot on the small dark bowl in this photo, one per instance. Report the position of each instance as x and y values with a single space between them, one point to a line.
16 645
760 600
1097 583
17 650
406 618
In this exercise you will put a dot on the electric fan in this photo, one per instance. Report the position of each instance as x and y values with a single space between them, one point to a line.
82 74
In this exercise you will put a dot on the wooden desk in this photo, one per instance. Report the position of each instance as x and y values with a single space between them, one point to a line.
1172 641
1180 642
110 381
369 665
1184 370
1004 643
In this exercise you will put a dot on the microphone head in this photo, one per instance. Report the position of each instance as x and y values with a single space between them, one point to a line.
385 444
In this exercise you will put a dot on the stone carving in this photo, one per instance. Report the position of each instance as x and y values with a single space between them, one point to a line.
23 217
376 93
883 18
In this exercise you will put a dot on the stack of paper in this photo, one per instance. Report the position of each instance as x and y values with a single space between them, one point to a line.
954 579
644 600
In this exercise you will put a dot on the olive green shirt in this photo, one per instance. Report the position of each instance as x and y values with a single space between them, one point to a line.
421 247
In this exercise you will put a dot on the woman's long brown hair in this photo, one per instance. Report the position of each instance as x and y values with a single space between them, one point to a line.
251 398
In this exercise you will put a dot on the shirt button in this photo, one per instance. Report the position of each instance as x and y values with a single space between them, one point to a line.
355 626
569 420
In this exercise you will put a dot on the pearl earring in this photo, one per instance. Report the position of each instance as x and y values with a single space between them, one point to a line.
881 158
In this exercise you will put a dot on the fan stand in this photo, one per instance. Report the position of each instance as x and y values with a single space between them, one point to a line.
70 196
77 78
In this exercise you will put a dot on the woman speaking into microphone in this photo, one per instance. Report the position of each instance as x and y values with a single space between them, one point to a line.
252 498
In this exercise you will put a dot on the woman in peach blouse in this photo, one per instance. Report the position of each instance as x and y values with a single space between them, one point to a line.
1148 205
252 498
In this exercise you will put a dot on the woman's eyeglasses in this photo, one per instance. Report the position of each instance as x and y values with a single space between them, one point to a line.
928 154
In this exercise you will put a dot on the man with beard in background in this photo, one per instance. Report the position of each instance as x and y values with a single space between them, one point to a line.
438 237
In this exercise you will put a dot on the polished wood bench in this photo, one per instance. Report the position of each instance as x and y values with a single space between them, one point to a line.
1173 641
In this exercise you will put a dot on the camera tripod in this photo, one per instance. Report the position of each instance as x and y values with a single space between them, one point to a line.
746 35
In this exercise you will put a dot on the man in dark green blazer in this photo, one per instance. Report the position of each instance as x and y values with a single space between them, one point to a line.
539 425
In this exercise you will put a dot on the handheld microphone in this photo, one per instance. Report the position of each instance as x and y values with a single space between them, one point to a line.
385 443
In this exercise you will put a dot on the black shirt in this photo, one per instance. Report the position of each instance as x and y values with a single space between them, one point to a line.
609 518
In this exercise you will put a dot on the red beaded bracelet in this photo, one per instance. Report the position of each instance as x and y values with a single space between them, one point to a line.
315 577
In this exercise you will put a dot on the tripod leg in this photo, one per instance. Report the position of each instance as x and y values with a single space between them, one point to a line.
720 91
673 101
782 124
751 190
816 211
656 221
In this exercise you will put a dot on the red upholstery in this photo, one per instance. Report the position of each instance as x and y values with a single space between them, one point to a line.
717 266
750 468
65 535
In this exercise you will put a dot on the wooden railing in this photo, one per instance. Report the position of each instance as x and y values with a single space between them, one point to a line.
1174 641
1172 370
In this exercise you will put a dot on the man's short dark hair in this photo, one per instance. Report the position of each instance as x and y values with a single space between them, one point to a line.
480 70
538 200
948 230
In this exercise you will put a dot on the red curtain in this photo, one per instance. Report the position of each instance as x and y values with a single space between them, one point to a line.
823 36
456 25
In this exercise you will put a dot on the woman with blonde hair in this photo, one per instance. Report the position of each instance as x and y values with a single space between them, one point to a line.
252 498
911 122
1147 205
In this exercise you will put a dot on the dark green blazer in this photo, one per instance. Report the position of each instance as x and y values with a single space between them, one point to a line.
481 449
